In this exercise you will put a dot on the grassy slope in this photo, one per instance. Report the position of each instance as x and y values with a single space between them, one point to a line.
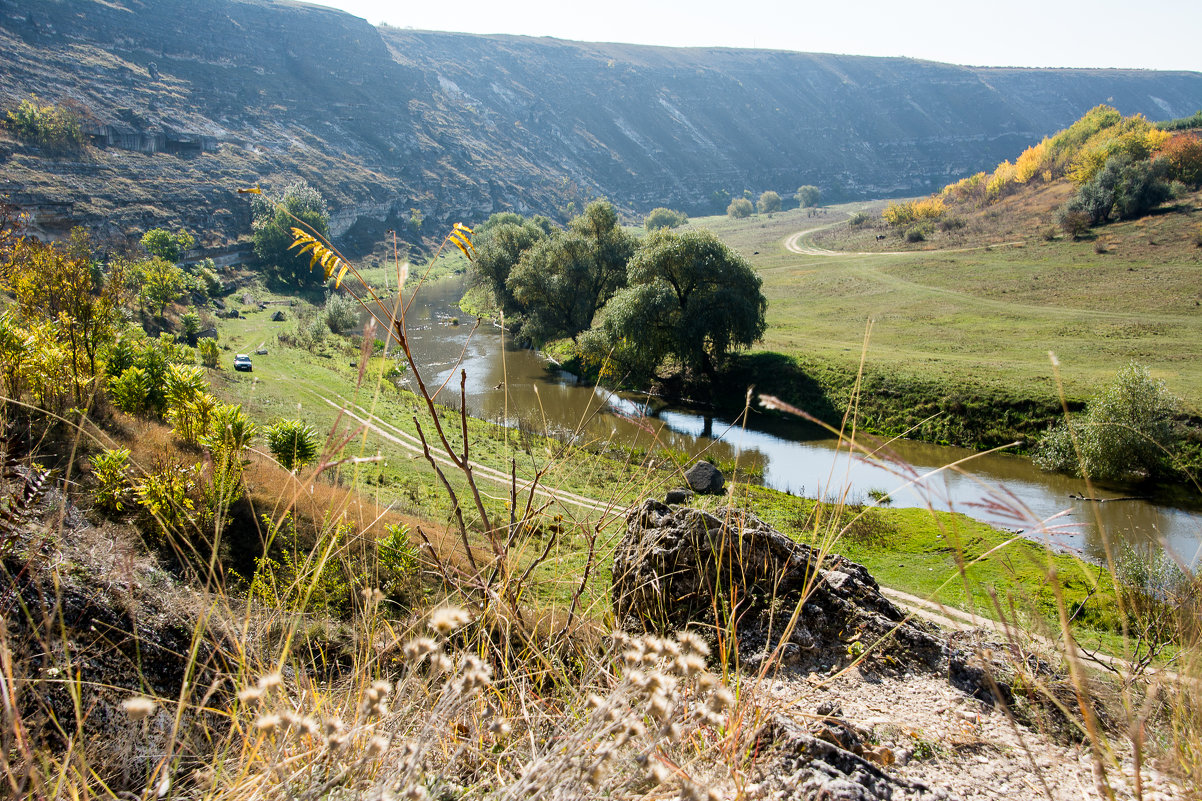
910 550
987 317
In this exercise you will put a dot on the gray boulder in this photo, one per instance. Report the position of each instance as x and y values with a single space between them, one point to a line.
704 478
278 317
678 496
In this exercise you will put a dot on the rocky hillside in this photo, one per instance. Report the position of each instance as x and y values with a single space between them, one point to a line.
185 100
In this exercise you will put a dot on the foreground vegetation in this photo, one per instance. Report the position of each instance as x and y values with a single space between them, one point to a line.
418 606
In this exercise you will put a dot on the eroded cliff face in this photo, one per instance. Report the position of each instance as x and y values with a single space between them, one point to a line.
187 100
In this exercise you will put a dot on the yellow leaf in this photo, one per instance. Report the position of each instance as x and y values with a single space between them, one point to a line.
254 190
462 227
341 274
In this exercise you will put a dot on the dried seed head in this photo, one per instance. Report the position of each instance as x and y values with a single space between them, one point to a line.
707 681
336 741
307 727
267 723
332 726
250 695
595 701
371 596
632 657
446 619
689 664
439 662
382 687
659 707
416 649
658 773
596 774
692 643
270 681
376 746
415 793
671 732
722 699
138 707
635 728
500 728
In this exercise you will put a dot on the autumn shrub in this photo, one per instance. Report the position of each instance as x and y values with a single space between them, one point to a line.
1184 156
53 128
910 212
739 208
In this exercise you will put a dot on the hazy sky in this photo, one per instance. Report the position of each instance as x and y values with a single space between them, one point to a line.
1152 34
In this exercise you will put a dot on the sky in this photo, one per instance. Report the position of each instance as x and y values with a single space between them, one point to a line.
1144 34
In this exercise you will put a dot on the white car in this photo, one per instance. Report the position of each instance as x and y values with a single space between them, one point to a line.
242 362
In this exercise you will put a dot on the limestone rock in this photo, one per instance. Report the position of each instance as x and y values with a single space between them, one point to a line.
704 478
279 317
676 496
676 565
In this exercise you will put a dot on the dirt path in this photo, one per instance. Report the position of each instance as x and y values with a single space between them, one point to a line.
795 243
412 444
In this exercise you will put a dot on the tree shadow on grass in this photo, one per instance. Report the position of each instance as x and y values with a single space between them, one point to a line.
776 374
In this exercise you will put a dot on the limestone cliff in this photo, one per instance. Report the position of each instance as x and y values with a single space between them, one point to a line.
186 100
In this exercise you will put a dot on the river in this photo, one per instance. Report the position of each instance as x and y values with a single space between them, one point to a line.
517 387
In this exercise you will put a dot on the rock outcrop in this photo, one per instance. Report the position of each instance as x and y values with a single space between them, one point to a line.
677 567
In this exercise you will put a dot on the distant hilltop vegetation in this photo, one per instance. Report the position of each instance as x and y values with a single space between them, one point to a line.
180 102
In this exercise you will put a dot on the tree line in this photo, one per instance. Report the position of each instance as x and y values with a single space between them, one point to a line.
677 301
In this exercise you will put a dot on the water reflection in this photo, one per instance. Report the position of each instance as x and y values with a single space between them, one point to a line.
516 387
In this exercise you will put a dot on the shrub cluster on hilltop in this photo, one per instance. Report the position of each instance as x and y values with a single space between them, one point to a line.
1120 166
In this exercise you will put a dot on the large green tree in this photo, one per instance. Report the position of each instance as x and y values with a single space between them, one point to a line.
274 219
166 245
689 298
561 282
500 243
807 195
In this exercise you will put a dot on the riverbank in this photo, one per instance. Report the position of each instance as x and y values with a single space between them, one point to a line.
913 550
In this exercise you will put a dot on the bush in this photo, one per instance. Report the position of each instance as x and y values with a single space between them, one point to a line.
664 218
916 234
114 491
807 195
166 245
859 219
1184 155
739 208
52 128
1073 222
210 354
272 233
952 224
342 313
292 443
1127 431
768 203
899 215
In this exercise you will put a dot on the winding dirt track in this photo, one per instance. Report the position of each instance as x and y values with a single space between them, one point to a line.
414 445
795 243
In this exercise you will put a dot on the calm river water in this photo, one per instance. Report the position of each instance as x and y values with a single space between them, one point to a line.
516 386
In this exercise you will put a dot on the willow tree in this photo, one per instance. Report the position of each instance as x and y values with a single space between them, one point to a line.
689 298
